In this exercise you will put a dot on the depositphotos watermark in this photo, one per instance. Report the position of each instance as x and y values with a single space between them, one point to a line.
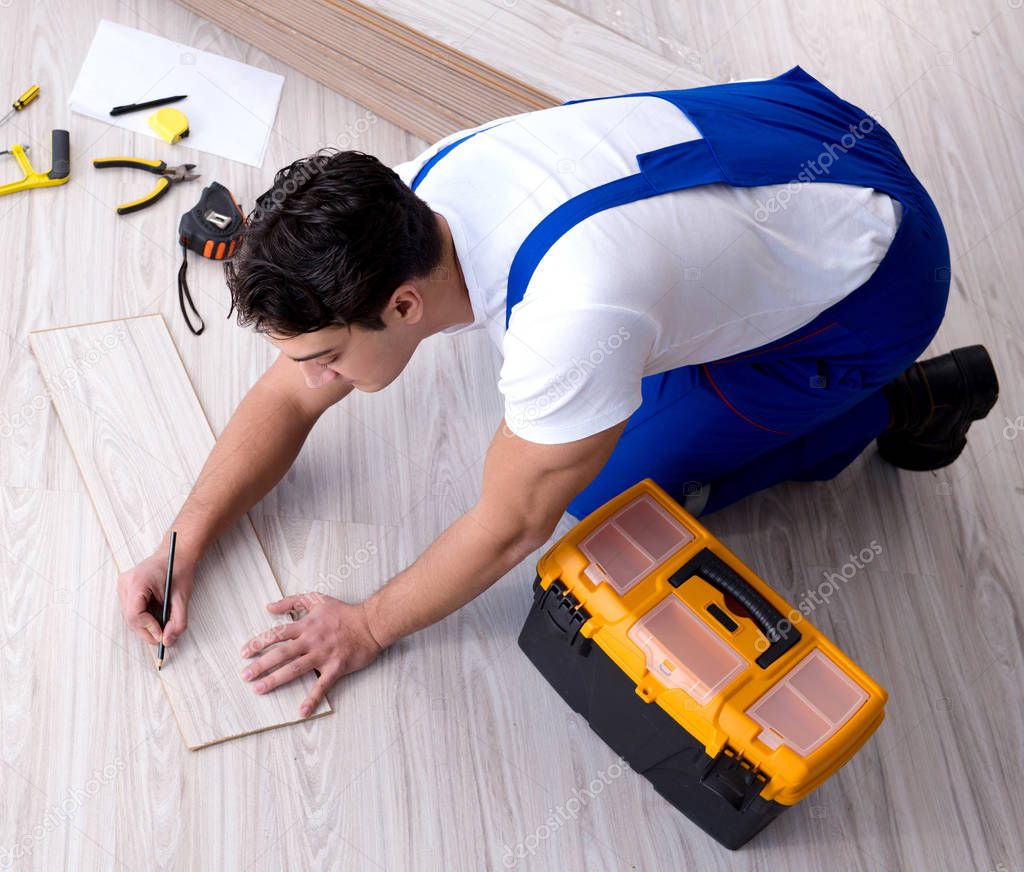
562 814
571 378
321 590
820 594
62 381
312 166
353 561
810 170
74 798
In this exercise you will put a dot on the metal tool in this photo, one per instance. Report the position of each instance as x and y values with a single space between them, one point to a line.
21 102
60 165
169 176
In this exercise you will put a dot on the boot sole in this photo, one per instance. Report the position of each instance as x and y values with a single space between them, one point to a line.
915 456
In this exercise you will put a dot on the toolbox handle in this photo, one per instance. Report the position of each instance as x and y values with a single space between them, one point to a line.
780 633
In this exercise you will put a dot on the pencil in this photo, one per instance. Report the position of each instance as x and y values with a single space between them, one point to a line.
167 601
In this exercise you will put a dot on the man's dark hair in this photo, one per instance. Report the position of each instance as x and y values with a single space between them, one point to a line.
328 244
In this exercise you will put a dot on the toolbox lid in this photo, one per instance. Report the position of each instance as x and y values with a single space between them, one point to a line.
807 705
684 652
632 543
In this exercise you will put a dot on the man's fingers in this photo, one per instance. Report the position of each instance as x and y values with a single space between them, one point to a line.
271 660
287 604
148 632
178 619
316 696
277 633
295 602
288 672
139 619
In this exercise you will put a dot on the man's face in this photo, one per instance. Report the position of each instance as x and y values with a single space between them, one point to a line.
369 360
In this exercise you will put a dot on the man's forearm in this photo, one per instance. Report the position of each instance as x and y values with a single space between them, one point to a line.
461 563
256 449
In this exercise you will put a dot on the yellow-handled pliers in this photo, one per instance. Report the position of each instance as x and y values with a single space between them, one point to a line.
169 176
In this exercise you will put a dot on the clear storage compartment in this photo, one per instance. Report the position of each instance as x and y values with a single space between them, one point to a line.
807 705
684 652
632 543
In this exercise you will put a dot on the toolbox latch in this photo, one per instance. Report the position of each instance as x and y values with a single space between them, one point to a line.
564 611
734 778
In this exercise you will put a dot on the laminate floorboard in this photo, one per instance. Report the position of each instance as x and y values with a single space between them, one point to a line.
140 438
547 45
451 749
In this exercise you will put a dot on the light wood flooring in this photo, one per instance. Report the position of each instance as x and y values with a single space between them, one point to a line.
140 439
451 750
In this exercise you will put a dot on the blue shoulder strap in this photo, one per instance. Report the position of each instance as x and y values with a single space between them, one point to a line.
660 171
771 132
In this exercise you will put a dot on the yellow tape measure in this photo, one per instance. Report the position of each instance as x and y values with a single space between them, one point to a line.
170 124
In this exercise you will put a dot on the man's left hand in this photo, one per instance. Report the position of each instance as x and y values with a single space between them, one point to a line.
332 637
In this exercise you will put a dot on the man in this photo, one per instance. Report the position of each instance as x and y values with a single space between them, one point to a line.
721 288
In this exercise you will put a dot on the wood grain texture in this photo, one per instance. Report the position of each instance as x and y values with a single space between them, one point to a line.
452 748
547 45
435 68
140 438
404 76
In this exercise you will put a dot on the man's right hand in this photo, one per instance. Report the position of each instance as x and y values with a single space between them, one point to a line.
142 587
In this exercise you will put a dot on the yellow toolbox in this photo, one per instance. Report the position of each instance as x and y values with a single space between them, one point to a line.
693 669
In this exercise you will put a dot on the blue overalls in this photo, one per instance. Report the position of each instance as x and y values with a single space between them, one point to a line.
804 406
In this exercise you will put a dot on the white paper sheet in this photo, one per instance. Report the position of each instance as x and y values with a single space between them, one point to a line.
231 106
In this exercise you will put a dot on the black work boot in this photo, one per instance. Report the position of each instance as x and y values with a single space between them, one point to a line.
933 404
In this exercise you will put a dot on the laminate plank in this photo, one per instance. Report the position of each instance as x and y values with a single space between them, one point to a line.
140 439
440 67
399 74
93 772
545 44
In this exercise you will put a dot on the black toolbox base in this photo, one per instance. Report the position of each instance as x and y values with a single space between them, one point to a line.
718 794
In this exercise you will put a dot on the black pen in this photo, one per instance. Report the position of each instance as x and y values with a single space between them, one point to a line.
167 602
149 104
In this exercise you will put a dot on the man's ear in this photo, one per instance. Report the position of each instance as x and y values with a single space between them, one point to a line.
407 304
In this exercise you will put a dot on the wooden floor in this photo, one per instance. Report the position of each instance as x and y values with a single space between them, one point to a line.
451 753
140 439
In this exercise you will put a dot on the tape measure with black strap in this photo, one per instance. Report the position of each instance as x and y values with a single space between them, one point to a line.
212 228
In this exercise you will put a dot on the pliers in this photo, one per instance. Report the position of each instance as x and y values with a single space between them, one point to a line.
169 176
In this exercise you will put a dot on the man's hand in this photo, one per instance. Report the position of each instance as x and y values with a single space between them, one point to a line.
333 637
141 588
526 489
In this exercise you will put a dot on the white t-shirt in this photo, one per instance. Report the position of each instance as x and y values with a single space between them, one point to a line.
676 279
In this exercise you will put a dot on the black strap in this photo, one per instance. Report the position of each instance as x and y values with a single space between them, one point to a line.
183 294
